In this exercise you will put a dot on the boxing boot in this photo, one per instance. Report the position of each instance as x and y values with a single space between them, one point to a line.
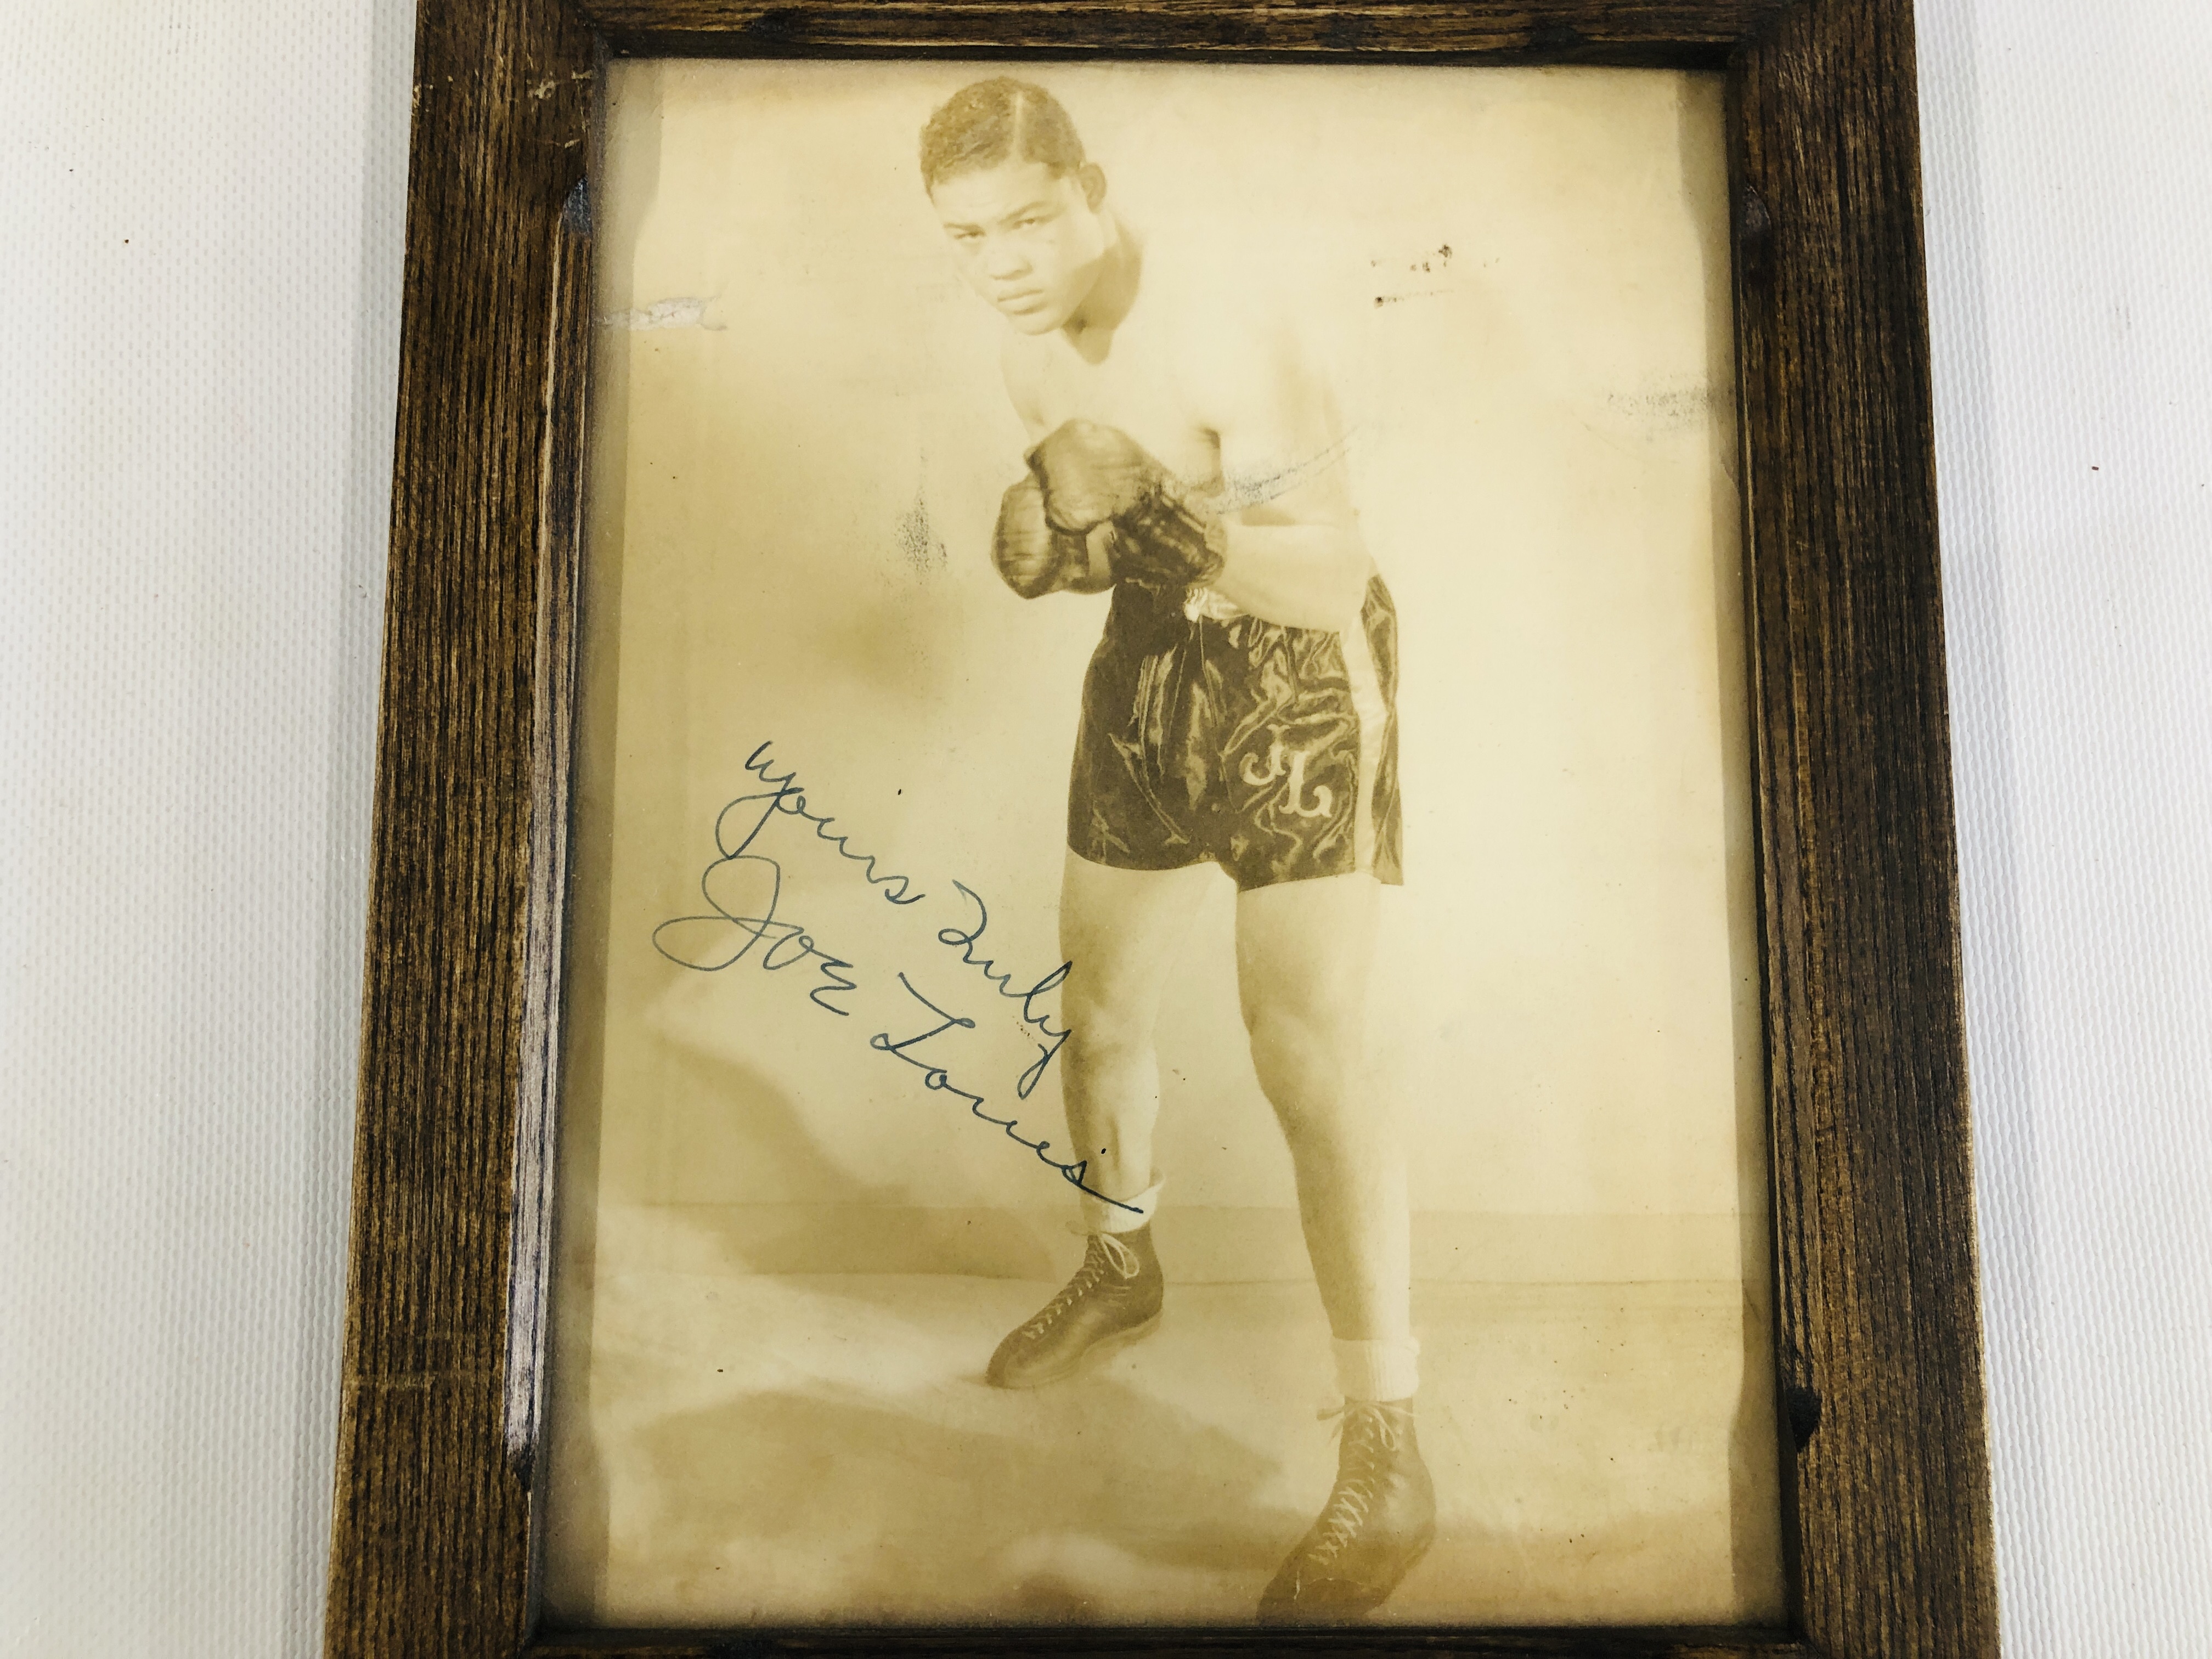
1380 1519
1113 1300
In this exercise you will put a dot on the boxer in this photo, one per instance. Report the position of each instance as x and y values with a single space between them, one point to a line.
1238 715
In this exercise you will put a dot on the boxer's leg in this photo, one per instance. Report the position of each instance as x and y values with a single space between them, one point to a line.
1121 930
1303 951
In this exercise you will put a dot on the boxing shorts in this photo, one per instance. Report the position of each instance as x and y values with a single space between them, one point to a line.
1211 734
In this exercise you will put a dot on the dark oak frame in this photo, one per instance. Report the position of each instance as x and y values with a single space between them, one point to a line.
1887 1531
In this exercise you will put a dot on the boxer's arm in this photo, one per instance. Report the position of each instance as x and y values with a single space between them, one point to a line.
1294 553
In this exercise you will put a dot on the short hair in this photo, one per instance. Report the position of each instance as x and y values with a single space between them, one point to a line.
992 121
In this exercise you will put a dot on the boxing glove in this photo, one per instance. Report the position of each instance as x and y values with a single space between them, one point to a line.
1092 475
1034 557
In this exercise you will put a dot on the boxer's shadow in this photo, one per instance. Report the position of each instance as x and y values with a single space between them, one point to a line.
1088 1500
724 1114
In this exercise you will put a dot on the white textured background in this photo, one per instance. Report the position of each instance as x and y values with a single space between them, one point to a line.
199 266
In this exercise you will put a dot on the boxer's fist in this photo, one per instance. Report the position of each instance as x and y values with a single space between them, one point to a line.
1091 473
1167 541
1034 557
1160 536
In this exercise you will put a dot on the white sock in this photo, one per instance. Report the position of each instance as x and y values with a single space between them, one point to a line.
1378 1370
1100 1216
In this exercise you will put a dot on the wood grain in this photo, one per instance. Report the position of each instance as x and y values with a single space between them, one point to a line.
1361 1643
429 1529
1887 1524
1673 32
1889 1529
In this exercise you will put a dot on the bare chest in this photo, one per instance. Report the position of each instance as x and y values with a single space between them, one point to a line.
1135 387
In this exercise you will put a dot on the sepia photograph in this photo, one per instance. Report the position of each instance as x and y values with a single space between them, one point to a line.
1162 1021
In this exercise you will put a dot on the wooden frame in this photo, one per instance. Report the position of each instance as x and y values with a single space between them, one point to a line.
1886 1517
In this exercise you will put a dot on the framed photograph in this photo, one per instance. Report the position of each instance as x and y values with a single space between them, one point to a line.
1163 852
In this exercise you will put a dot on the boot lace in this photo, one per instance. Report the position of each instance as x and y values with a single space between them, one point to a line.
1106 1256
1370 1430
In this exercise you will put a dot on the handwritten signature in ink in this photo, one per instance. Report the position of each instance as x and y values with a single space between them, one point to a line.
734 929
785 794
937 1078
965 939
734 932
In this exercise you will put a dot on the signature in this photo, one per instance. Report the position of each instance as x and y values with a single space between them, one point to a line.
792 943
743 887
936 1077
784 795
966 940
